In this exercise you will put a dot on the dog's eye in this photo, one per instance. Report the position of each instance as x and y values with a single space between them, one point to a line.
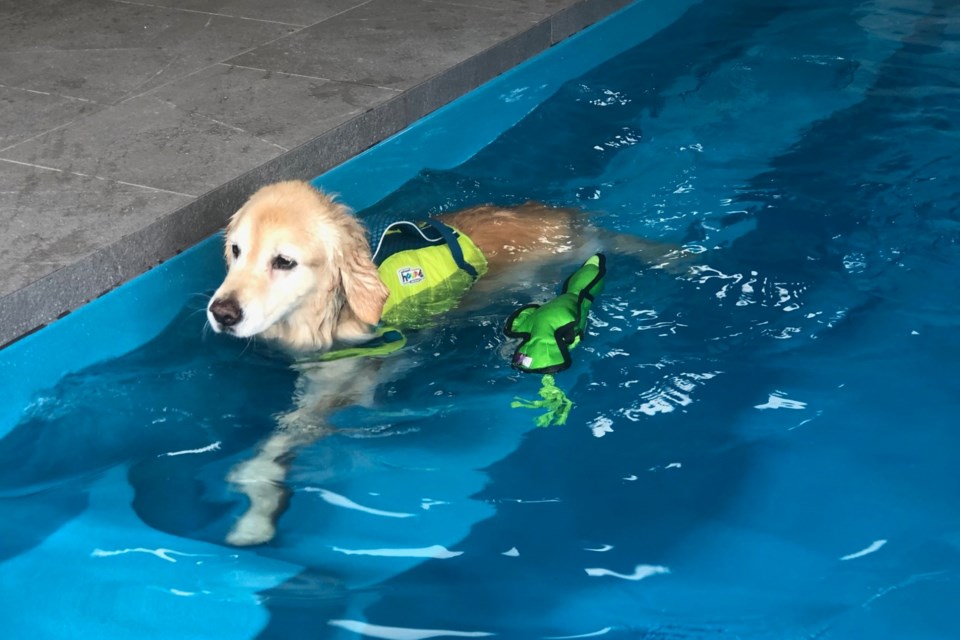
235 249
284 264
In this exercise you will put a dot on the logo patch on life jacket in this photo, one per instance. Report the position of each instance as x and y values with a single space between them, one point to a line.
410 275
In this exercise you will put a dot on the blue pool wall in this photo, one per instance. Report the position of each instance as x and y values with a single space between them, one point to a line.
136 312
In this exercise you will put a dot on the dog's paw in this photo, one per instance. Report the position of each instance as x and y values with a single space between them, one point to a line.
250 530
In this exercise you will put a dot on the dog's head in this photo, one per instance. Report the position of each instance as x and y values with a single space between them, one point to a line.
299 271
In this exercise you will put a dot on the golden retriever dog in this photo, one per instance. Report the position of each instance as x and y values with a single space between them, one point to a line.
301 274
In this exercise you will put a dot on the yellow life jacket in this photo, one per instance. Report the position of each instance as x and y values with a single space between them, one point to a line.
428 267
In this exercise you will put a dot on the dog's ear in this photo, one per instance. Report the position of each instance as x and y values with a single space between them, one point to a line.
364 292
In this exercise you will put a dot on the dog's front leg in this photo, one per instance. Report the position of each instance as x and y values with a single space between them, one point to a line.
261 479
321 390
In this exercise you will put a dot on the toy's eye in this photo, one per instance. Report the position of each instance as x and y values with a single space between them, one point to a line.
235 250
284 264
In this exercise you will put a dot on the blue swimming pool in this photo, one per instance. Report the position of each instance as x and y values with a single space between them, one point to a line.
762 445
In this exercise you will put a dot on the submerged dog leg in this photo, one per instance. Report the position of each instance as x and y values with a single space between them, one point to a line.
261 480
321 389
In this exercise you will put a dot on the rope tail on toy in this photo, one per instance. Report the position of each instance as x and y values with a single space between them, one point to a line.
548 332
553 399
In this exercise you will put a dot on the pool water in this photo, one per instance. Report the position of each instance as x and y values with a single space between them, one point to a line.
762 445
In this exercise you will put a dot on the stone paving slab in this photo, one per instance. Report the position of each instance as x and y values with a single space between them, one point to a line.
349 47
131 130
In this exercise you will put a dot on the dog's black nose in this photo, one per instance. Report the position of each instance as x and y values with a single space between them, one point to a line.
226 311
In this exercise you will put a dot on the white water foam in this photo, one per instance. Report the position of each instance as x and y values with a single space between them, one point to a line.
338 500
874 547
593 634
210 447
163 554
641 572
437 552
601 426
777 400
402 633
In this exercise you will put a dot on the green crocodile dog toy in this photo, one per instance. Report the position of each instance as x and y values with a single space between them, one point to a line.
548 332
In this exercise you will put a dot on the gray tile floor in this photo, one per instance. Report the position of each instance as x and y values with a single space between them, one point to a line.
130 130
